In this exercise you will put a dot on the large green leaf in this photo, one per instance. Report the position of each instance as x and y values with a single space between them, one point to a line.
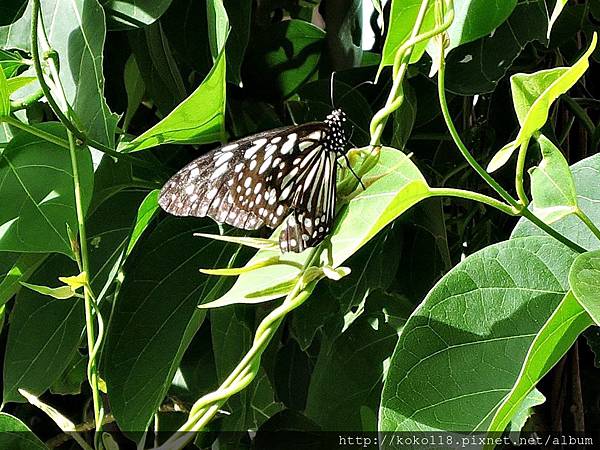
339 395
282 57
461 352
240 15
403 15
585 174
585 282
477 67
76 30
15 267
344 32
135 88
10 10
36 191
155 316
552 341
552 185
127 14
15 435
54 327
548 88
477 18
44 334
396 185
199 119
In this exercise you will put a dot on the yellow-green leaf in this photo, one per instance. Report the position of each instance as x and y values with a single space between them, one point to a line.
552 184
61 292
543 88
199 119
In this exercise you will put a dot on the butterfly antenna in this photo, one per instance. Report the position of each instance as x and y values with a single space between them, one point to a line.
353 172
331 80
354 88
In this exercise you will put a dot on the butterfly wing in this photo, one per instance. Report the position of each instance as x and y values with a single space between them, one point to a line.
248 183
313 206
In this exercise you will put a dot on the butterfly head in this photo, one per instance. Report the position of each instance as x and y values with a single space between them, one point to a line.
337 137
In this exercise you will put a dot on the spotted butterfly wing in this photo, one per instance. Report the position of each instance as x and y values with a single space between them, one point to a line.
264 179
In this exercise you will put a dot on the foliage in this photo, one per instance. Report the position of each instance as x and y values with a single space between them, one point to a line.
449 296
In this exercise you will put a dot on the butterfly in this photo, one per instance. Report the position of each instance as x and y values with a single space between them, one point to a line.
285 174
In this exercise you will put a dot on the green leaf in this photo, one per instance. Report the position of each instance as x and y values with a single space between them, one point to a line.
240 15
558 7
461 352
15 435
584 279
526 88
54 327
218 26
399 187
146 212
15 268
37 193
59 419
128 14
17 34
585 174
525 410
76 30
232 330
135 88
10 62
550 343
10 10
279 70
70 381
156 315
367 343
477 18
43 335
403 15
552 185
291 375
199 119
61 292
160 72
549 89
344 31
16 83
476 67
404 118
4 95
109 228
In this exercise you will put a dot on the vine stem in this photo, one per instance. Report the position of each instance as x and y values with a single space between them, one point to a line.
82 256
520 171
476 196
518 207
400 66
35 131
242 375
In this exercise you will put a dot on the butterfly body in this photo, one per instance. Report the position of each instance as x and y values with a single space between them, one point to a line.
287 174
